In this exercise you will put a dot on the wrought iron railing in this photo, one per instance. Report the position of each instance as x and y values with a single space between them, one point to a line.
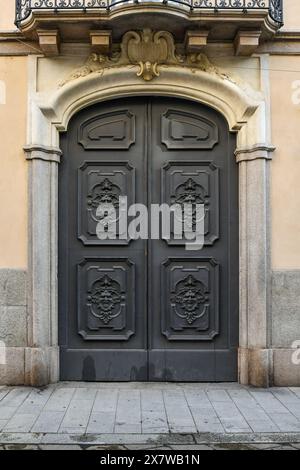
25 7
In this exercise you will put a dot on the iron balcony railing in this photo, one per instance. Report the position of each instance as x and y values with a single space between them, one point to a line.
24 8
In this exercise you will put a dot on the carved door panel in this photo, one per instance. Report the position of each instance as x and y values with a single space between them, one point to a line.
103 283
195 336
139 309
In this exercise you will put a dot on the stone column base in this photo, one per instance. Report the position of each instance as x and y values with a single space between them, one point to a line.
255 367
29 366
269 367
41 366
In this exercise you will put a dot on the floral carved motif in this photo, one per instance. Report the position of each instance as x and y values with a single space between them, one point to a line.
104 193
189 192
149 50
192 193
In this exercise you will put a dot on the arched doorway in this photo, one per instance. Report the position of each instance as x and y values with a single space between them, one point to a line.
148 309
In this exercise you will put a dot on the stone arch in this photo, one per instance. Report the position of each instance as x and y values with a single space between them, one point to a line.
245 112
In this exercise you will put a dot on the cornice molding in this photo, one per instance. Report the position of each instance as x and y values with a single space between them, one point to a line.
288 34
11 34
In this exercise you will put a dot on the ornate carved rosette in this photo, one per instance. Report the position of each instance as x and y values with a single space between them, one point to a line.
105 193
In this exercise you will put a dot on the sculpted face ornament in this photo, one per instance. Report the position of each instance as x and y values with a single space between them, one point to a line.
190 300
148 71
105 299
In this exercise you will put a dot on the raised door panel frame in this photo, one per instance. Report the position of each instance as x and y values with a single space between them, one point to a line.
108 131
190 299
183 179
185 130
102 181
106 299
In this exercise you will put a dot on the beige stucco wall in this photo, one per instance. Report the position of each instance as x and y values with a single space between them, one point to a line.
285 187
7 16
291 14
13 174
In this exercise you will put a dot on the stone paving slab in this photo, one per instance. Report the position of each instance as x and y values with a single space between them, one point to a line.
76 412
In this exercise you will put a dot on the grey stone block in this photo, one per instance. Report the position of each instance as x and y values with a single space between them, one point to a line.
38 362
21 447
3 392
77 416
154 422
102 422
285 308
15 397
2 424
20 438
286 422
263 425
128 415
13 286
20 422
60 447
13 328
48 421
285 372
12 373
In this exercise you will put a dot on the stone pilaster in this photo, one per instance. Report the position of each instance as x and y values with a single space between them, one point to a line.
41 355
255 355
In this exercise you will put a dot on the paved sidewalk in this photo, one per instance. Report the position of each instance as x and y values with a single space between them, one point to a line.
147 413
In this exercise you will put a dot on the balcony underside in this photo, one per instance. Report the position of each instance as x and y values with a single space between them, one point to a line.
75 25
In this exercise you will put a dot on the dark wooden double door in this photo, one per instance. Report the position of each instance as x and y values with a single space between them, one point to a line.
133 309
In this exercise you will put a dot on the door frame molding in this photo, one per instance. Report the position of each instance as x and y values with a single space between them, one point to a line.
246 112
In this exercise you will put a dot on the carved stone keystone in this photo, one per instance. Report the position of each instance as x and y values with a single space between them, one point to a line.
148 49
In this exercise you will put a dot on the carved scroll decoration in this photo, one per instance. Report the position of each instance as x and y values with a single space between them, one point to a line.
148 50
